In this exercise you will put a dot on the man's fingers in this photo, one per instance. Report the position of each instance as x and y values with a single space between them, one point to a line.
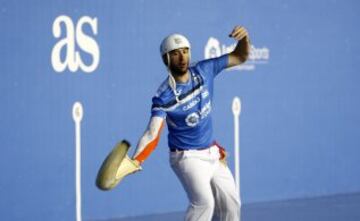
238 33
234 30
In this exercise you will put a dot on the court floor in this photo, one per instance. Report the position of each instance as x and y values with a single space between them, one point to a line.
331 208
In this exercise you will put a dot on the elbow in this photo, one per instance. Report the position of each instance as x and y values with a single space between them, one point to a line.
237 58
241 52
244 57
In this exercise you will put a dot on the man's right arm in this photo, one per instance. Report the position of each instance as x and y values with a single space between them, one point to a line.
149 140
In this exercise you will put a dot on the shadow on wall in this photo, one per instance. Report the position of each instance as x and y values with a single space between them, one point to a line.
330 208
174 216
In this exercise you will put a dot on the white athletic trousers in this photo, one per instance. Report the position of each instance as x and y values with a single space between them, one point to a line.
209 185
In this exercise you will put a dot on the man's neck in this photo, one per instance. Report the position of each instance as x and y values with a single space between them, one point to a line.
183 78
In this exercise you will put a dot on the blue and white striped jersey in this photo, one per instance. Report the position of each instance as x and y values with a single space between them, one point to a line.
189 119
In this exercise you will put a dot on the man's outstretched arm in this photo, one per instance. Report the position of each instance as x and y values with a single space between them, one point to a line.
242 49
149 140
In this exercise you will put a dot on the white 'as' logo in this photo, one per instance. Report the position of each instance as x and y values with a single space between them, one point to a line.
72 38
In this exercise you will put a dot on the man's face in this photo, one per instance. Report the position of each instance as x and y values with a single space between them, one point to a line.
179 61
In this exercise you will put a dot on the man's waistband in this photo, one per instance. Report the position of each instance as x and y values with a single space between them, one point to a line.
180 150
214 143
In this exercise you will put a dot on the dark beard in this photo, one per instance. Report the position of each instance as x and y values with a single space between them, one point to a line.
178 72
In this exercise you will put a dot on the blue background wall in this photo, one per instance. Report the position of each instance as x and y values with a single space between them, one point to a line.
299 122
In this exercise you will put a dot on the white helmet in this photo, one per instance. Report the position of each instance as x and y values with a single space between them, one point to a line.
172 42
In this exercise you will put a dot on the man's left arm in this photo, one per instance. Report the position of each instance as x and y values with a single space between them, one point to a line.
242 49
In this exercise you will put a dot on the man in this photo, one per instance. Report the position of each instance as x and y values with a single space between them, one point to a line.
184 101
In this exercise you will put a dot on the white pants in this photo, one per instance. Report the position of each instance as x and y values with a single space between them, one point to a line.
209 185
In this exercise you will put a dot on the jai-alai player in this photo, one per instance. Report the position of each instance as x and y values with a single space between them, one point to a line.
184 101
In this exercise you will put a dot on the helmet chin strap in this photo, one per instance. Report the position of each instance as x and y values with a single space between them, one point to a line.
172 81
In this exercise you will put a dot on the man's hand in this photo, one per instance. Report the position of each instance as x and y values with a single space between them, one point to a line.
242 49
238 33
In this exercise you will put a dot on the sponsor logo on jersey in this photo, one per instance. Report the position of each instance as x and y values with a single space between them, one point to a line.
196 79
178 91
193 119
258 56
205 111
191 104
205 94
